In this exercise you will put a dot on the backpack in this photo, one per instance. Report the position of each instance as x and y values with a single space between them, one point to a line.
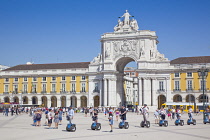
38 116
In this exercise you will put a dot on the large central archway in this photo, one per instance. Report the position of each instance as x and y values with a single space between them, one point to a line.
120 85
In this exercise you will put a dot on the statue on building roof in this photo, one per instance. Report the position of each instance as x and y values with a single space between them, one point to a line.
127 25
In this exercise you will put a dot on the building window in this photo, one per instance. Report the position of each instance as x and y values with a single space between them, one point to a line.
44 79
203 85
83 77
6 79
53 87
83 87
6 88
96 87
34 79
44 87
189 74
53 78
25 79
15 89
189 85
63 87
161 86
33 88
73 77
177 85
25 87
16 79
63 78
133 73
176 74
73 87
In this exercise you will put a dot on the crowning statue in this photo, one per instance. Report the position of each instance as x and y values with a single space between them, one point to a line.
127 25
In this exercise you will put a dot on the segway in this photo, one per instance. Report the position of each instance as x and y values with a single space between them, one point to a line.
123 124
70 126
179 121
206 118
143 124
163 122
95 125
191 120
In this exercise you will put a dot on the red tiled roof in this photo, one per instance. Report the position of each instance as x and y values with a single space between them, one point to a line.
191 60
49 66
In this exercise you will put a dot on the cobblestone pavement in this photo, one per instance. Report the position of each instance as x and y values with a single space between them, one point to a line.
20 128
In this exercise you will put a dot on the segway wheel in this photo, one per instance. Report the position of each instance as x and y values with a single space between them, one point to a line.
166 123
181 123
67 128
73 128
98 126
194 122
142 124
147 124
93 128
126 126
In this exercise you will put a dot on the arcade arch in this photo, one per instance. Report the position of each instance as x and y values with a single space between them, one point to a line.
83 101
34 100
6 99
53 101
190 98
177 98
73 101
203 98
63 101
161 100
44 101
16 99
96 101
25 100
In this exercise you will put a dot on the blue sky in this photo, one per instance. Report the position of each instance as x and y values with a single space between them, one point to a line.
63 31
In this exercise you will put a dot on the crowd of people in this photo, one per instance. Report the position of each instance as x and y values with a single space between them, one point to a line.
56 115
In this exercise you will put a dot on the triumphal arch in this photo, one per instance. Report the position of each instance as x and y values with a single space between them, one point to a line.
126 44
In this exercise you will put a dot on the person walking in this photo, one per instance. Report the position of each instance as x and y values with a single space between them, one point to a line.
50 117
38 117
56 120
60 112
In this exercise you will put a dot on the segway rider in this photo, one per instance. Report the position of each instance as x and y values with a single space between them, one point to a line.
178 114
162 113
123 113
95 116
144 112
190 113
70 115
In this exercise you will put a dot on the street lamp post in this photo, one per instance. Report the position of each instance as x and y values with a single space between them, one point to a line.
203 73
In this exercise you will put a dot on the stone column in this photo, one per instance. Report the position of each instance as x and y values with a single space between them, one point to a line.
112 92
49 102
58 101
168 89
147 91
100 93
105 92
78 101
39 100
68 101
90 95
140 88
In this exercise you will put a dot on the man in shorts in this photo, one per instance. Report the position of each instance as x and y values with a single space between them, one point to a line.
50 117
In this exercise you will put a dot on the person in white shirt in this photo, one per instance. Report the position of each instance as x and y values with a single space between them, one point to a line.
190 113
145 112
70 115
